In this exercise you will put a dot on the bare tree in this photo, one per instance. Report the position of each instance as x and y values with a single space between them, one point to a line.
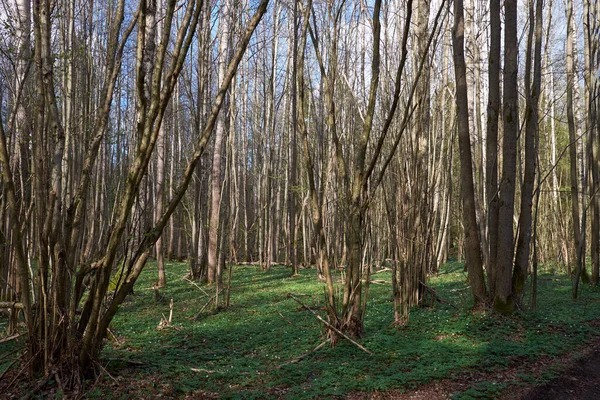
474 262
532 95
503 297
493 112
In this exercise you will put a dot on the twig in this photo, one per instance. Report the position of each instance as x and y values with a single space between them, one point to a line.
436 297
208 371
9 338
129 362
198 286
203 307
303 356
136 363
37 387
329 325
10 353
23 369
58 381
382 270
8 368
107 373
284 318
112 336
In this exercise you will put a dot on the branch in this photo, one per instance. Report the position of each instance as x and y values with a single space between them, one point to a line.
436 297
333 328
9 338
303 356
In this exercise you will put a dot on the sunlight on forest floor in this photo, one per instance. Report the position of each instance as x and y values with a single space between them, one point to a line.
244 351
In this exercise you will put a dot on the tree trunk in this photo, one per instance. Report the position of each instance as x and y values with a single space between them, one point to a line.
474 262
532 95
503 298
216 180
573 140
493 112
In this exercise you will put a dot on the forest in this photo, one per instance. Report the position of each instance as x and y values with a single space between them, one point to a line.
358 197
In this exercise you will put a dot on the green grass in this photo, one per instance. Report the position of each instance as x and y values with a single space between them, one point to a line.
242 351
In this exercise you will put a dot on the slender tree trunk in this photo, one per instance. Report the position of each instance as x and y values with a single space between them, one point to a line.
532 94
474 262
293 192
503 297
493 112
216 181
158 210
573 140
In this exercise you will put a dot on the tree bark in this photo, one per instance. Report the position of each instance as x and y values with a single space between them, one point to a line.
474 262
532 95
503 297
493 112
216 179
573 140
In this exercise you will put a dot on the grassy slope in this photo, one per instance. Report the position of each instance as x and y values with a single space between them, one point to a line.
240 352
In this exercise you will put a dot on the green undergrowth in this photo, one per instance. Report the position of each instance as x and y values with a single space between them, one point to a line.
244 351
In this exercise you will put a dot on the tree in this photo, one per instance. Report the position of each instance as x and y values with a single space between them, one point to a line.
577 222
55 330
503 297
493 112
474 262
532 95
214 272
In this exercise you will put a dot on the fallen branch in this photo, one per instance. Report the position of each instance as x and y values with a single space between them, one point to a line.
207 371
381 270
9 338
198 286
284 318
10 353
107 373
433 293
258 264
303 356
41 384
379 282
8 368
113 337
128 362
203 307
333 328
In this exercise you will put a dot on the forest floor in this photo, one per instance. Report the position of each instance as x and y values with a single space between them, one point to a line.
576 377
262 346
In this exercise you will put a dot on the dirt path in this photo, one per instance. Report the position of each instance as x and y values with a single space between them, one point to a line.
581 380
